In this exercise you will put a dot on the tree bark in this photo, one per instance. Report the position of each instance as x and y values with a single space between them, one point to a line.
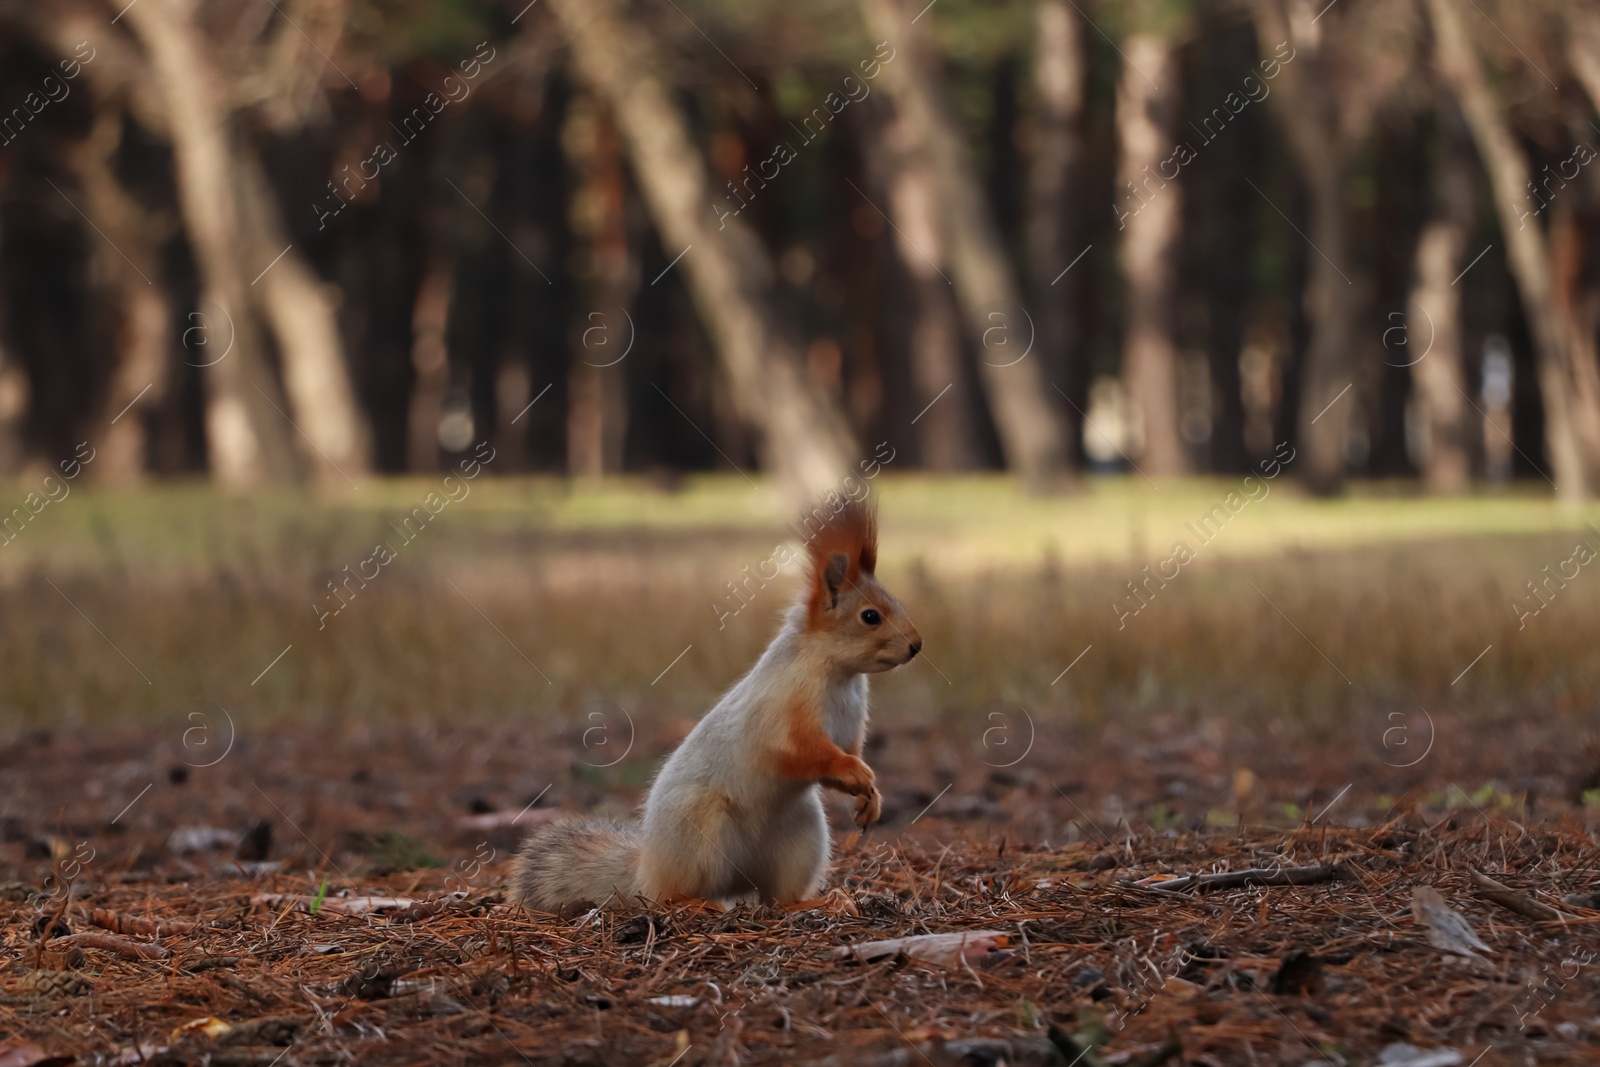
430 360
1222 218
803 438
513 390
1573 296
1058 81
13 413
1583 50
1033 435
1152 221
1308 115
247 439
1583 296
597 401
1569 405
1432 327
119 84
946 439
142 315
299 311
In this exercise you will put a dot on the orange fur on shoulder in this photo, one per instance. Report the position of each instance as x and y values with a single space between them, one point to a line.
810 753
851 532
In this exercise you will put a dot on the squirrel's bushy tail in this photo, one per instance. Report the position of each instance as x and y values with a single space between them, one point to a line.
576 859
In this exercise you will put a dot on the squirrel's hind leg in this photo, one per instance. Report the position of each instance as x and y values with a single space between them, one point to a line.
796 853
688 846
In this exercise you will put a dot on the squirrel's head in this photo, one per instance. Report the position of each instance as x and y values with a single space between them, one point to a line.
859 626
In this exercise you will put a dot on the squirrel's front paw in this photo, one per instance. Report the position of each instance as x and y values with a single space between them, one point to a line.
869 806
858 780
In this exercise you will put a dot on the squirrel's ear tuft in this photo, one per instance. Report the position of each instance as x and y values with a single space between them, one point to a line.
844 527
842 541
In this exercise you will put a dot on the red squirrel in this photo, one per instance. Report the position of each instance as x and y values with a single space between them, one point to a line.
736 811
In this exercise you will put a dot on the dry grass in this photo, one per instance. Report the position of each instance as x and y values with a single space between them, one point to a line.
524 600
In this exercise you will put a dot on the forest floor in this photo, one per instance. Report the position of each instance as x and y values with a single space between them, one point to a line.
218 849
338 899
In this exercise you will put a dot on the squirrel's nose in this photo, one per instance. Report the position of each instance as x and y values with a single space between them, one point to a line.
916 646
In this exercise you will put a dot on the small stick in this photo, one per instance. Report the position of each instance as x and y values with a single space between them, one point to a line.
1255 875
133 924
1520 903
50 925
133 950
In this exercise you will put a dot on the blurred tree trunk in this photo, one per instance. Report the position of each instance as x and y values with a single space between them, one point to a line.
1221 231
804 439
228 204
300 312
513 390
1573 295
13 412
1433 318
1583 50
1583 53
1033 435
430 360
1058 80
1569 390
1153 216
247 440
945 436
120 89
1308 115
143 313
597 401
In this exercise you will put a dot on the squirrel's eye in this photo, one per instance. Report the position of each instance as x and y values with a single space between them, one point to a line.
871 617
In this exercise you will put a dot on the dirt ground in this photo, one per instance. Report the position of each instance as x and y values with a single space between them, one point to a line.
158 883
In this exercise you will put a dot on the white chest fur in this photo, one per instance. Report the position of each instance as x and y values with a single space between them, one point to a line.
844 713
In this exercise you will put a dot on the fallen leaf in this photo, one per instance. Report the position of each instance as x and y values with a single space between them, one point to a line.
138 1053
675 1000
1400 1054
201 838
352 905
1447 928
1181 988
31 1056
205 1026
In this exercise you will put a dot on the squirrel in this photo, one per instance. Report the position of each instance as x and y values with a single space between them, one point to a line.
736 811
